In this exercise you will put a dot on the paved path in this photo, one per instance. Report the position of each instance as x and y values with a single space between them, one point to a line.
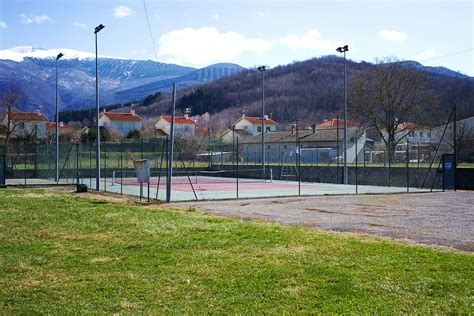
442 218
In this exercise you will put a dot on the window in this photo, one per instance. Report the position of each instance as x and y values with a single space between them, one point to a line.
422 134
268 129
246 127
259 129
21 125
186 128
268 146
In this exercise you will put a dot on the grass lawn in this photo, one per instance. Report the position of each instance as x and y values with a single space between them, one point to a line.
60 253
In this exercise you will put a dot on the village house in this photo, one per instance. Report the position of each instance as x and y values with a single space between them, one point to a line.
184 126
64 131
25 123
253 125
122 122
318 145
230 136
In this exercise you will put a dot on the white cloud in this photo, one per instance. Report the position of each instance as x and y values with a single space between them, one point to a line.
38 19
77 24
393 36
204 46
261 13
122 11
3 25
310 41
426 54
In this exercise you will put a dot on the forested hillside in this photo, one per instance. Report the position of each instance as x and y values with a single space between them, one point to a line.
311 90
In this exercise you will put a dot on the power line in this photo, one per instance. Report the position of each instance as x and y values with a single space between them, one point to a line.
450 54
149 29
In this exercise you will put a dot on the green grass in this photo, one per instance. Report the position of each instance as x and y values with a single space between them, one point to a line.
60 253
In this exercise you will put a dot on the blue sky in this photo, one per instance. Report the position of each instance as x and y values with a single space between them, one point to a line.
198 33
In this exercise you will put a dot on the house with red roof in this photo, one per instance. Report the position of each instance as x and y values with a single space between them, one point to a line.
335 122
183 125
123 122
253 125
25 122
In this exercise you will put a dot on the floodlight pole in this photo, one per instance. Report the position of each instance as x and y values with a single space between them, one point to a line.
170 151
262 69
344 49
57 118
97 139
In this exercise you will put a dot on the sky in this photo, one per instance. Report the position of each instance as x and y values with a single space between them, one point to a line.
250 33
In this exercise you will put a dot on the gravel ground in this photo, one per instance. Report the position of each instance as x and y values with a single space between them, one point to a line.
445 219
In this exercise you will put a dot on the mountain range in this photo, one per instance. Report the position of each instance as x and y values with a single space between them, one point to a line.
31 72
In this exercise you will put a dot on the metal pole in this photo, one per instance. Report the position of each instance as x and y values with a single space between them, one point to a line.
97 138
455 146
57 125
356 166
338 179
263 123
170 154
408 166
237 166
345 121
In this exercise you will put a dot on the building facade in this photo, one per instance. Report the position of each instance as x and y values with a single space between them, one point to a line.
253 125
122 122
184 126
25 123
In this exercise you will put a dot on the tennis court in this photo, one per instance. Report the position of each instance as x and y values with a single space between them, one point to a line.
212 185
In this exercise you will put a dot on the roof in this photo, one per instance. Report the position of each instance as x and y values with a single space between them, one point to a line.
160 132
334 123
178 119
127 117
240 132
27 117
256 120
321 135
52 126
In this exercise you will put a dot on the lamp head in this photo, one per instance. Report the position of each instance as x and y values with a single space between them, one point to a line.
261 68
342 49
98 28
59 56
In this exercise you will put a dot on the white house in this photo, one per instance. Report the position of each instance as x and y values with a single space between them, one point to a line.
183 125
231 135
412 133
25 122
123 122
319 145
253 125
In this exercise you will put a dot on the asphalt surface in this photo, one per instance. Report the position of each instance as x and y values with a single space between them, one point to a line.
442 218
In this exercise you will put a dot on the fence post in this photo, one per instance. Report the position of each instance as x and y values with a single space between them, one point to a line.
25 160
408 166
237 166
357 166
121 167
105 166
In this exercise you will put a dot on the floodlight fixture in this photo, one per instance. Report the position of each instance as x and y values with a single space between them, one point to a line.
98 28
59 56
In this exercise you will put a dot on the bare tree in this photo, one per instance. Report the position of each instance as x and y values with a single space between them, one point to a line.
388 96
8 101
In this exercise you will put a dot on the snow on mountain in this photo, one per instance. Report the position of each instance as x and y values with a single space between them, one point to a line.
20 52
